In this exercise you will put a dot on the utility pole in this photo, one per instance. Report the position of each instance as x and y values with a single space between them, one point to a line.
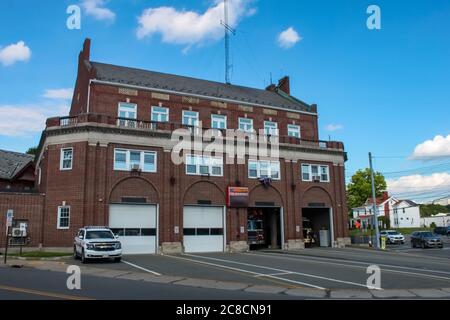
374 200
228 29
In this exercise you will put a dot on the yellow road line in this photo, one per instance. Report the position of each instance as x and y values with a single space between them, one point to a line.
43 293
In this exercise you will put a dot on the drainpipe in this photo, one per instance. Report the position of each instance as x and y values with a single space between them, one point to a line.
89 95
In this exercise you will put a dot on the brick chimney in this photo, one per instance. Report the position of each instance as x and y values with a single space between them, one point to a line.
86 53
284 85
272 88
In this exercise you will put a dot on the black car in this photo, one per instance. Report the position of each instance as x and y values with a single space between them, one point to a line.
445 231
426 239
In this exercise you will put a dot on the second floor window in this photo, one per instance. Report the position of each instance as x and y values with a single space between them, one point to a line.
246 124
204 165
190 118
160 114
126 160
66 160
313 172
264 169
218 121
270 128
293 130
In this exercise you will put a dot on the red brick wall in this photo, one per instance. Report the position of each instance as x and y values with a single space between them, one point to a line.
26 206
93 184
105 100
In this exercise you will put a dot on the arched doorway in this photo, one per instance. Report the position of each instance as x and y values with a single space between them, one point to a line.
204 218
265 222
133 215
317 215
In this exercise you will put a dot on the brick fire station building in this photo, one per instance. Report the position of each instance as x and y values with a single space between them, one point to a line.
109 163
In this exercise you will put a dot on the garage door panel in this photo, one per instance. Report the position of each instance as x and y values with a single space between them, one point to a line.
203 217
199 244
137 227
203 229
132 216
138 245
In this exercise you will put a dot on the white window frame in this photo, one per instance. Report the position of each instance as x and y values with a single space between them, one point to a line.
61 159
132 121
59 218
294 131
310 173
269 169
246 124
271 128
159 114
141 160
199 161
223 120
191 117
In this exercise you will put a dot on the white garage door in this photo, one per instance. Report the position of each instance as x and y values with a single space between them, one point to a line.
203 229
136 226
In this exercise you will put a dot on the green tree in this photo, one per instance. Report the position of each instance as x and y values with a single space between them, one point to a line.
360 187
427 210
32 151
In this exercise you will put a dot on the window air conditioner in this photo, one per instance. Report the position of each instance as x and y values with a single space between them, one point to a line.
17 233
316 178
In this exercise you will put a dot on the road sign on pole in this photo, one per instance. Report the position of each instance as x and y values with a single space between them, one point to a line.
9 221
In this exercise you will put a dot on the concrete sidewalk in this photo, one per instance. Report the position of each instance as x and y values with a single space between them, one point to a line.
300 292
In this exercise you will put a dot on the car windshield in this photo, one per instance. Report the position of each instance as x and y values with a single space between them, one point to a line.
393 233
99 235
426 234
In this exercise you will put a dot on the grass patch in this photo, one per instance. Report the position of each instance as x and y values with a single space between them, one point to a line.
39 254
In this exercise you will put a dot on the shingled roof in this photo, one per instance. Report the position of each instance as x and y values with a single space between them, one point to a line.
187 85
11 163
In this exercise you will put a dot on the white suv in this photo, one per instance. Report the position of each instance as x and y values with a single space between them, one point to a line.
392 236
96 243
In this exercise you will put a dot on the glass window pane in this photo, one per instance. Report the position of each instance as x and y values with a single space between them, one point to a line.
217 171
149 162
189 232
203 232
216 232
120 160
132 232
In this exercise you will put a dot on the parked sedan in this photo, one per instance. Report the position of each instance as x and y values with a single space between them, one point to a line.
392 237
426 239
445 231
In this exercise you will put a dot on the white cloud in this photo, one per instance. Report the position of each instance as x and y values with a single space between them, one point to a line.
419 186
16 120
96 9
14 53
437 148
288 38
334 127
189 27
59 94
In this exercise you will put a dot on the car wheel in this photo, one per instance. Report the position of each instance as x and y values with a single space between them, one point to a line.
117 259
83 257
75 254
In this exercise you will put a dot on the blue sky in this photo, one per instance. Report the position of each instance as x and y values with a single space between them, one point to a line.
385 91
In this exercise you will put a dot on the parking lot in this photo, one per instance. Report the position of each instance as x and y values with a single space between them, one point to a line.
321 268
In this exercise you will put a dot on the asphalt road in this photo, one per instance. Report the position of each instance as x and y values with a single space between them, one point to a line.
322 268
319 268
32 284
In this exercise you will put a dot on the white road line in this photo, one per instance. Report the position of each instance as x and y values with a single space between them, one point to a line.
141 268
248 271
298 258
273 274
281 270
